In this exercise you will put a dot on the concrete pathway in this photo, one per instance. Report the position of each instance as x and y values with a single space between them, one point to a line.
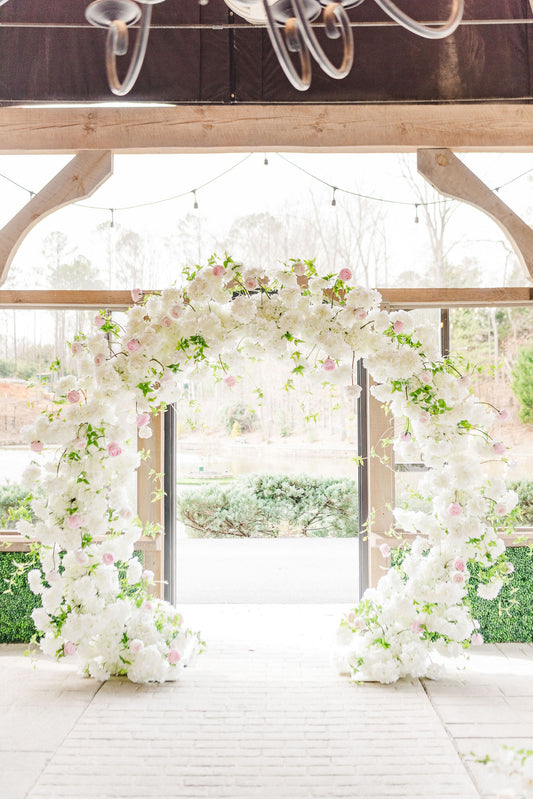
261 714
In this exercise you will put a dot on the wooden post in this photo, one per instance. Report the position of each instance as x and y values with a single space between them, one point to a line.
149 510
381 480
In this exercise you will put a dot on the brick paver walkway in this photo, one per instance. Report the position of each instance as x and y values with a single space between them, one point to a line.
261 714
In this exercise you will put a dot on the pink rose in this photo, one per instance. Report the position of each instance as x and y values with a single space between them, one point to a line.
345 274
142 419
136 645
74 521
166 321
99 321
406 436
361 314
148 575
458 577
385 550
99 359
465 381
499 448
108 558
503 415
250 283
398 326
133 345
424 417
426 377
74 396
76 348
175 311
500 509
148 606
218 270
299 269
455 509
125 513
351 617
36 446
477 639
416 628
230 381
79 443
114 449
69 648
329 365
52 576
136 295
174 656
459 564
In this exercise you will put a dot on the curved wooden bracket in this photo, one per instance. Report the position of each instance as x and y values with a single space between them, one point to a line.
78 179
447 174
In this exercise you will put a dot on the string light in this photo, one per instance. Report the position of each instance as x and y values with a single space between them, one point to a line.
195 206
112 212
333 200
417 220
265 162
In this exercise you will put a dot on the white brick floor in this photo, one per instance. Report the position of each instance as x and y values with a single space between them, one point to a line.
261 714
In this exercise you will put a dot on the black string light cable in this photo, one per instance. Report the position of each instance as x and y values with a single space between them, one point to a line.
334 189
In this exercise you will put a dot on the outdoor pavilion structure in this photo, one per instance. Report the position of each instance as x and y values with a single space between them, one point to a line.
215 86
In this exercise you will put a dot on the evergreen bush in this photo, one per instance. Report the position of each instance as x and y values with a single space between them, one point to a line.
522 383
259 505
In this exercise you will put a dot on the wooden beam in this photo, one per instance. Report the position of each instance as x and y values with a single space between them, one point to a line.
477 127
78 179
449 176
58 299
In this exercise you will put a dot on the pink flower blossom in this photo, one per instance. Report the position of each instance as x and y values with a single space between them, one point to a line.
142 419
136 645
176 310
398 326
416 628
148 575
406 436
458 577
174 656
345 274
148 606
329 365
361 314
74 396
351 617
385 550
459 564
125 513
108 558
136 295
99 321
81 557
74 521
76 348
133 345
500 509
465 381
99 359
477 639
69 648
166 321
230 381
426 377
424 417
299 269
52 576
36 446
455 509
499 448
250 283
218 270
503 415
114 449
179 619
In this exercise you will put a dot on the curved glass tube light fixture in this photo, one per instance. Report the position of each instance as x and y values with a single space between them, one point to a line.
336 24
426 31
117 16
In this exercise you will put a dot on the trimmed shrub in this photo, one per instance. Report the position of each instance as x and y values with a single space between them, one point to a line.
259 505
522 383
524 489
14 505
509 617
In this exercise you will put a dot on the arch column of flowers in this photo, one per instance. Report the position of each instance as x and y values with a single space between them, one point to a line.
95 603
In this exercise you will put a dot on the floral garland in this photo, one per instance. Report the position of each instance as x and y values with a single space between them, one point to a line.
95 603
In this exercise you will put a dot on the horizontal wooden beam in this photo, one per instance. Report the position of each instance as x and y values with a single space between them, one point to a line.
395 297
490 127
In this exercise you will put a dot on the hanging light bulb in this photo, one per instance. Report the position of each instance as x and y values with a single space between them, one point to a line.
417 220
195 206
265 162
333 200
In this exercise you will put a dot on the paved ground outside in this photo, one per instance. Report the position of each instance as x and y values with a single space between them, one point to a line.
262 713
263 570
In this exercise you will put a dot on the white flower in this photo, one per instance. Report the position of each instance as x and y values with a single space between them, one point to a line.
489 590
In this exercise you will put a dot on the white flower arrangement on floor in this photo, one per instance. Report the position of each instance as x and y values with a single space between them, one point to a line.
319 326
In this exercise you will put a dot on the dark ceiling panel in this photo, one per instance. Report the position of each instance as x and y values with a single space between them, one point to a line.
213 65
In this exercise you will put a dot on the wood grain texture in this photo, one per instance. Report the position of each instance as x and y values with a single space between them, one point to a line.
405 127
449 176
78 179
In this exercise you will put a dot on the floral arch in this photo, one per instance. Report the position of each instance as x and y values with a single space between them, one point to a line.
95 601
